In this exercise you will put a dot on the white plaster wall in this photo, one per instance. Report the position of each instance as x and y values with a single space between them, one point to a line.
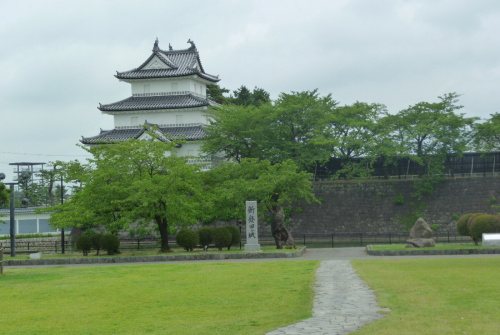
162 117
165 86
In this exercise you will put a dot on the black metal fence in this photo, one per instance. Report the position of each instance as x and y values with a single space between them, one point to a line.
330 240
469 164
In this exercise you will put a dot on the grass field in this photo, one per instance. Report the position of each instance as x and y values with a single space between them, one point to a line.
203 298
434 296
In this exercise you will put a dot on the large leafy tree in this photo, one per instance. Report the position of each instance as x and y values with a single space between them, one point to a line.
487 135
433 131
274 186
216 93
244 97
352 132
237 131
275 131
134 181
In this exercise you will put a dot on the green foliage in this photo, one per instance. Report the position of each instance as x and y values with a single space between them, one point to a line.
276 131
140 232
216 93
205 234
96 242
484 223
399 200
110 243
187 239
235 236
492 200
435 227
487 136
462 225
244 97
426 185
455 217
133 181
221 237
84 244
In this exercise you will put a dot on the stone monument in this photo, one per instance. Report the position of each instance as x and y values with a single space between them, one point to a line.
252 232
420 235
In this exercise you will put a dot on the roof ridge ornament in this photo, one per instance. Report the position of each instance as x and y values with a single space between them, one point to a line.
155 46
192 47
170 47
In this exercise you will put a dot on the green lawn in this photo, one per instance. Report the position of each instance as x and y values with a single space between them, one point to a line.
434 296
203 298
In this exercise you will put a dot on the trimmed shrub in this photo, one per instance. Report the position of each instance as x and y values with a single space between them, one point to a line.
221 237
96 242
205 235
469 225
483 224
235 236
84 244
110 243
462 227
187 239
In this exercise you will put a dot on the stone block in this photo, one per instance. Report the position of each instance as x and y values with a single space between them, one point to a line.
491 240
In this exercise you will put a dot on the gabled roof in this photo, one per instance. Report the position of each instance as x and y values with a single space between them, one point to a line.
158 102
179 63
187 133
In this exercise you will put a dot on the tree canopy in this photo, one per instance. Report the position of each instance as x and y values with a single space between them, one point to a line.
274 186
134 181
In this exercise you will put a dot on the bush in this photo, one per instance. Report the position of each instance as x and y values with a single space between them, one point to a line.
205 235
469 225
187 239
462 228
221 237
96 242
484 223
235 236
84 244
110 243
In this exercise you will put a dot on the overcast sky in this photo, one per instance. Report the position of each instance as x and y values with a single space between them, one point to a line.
58 58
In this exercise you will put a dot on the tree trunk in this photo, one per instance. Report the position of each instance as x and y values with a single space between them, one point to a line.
280 233
163 229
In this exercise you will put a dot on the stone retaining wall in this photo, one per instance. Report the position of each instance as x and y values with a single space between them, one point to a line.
159 258
378 206
415 252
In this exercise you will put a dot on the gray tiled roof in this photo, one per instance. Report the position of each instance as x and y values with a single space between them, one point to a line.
181 62
158 102
188 133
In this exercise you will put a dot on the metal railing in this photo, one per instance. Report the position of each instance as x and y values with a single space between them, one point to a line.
327 240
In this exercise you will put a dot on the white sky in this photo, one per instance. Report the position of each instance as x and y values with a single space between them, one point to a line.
58 58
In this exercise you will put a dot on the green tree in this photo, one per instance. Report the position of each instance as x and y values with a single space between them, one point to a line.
352 133
487 135
4 194
277 132
133 181
274 186
236 131
216 93
244 97
433 132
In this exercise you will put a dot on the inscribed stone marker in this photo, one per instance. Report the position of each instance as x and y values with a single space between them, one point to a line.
252 233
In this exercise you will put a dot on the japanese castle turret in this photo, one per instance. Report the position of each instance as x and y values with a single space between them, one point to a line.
169 92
